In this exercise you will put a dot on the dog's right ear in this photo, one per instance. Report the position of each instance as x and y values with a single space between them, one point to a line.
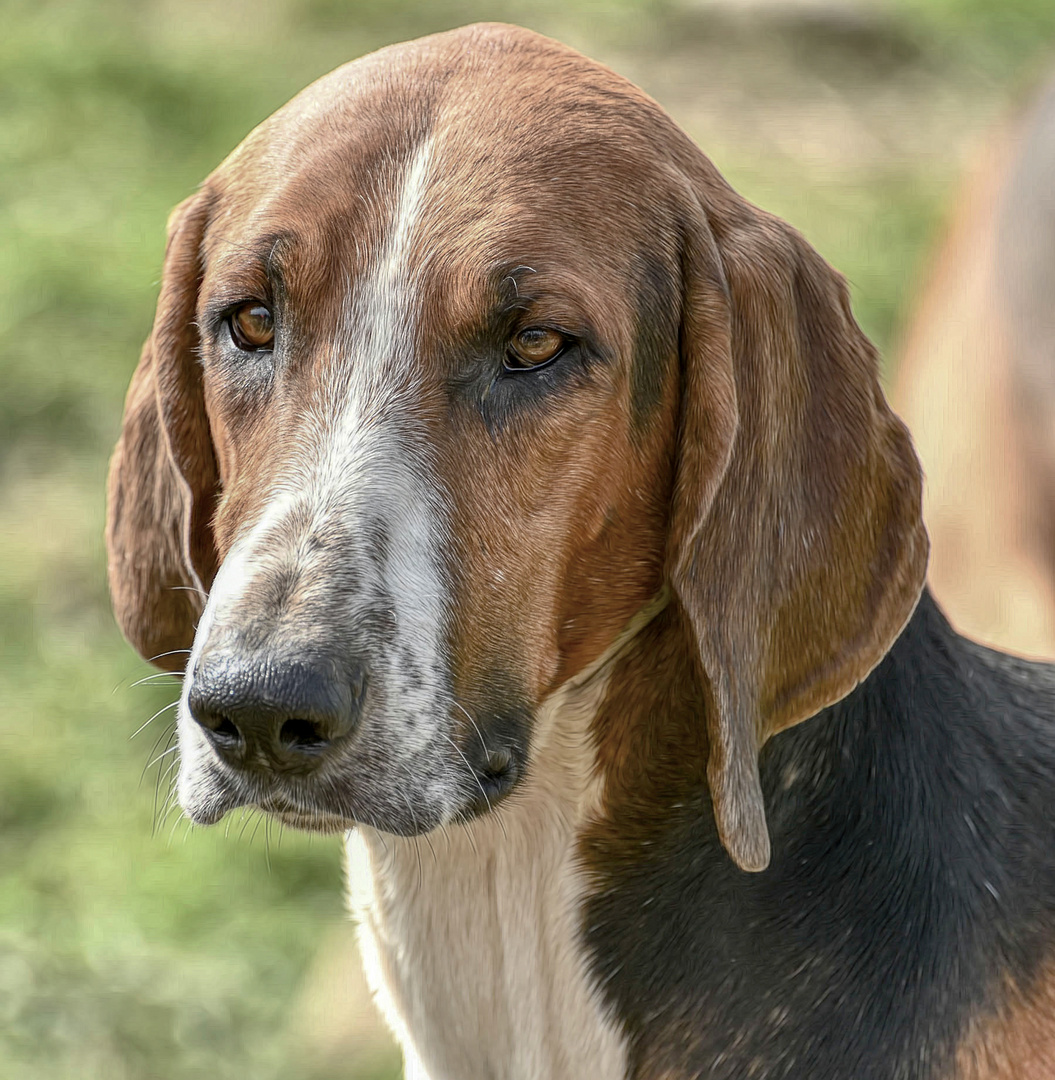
163 480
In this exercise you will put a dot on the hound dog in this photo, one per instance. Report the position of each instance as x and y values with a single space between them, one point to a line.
561 547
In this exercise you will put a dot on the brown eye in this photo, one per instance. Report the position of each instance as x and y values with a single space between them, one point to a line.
252 328
534 347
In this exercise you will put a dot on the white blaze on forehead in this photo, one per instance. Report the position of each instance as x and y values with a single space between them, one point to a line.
375 467
361 457
358 466
393 266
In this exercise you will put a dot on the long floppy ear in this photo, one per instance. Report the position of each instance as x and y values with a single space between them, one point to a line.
798 550
163 478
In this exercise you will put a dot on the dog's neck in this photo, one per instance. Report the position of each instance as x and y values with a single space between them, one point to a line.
470 936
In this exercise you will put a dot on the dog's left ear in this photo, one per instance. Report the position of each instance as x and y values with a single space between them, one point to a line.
798 550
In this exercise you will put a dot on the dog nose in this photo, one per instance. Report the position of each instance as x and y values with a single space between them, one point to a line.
267 713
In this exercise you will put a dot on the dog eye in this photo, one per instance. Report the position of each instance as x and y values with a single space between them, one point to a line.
533 347
252 328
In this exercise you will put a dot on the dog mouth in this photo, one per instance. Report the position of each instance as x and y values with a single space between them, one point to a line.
288 812
494 780
492 783
472 785
210 792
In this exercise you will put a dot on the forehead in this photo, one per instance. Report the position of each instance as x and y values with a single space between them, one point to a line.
520 152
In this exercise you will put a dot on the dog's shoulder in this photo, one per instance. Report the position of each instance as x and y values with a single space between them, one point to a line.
910 901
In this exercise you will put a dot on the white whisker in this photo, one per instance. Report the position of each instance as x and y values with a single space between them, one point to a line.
147 723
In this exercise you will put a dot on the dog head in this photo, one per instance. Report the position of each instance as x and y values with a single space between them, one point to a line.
459 359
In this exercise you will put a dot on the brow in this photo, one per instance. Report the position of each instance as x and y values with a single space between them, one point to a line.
245 268
268 249
510 285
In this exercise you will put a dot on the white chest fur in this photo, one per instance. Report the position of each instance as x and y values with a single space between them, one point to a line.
471 938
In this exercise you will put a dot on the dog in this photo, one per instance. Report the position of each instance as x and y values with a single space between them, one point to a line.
532 512
976 386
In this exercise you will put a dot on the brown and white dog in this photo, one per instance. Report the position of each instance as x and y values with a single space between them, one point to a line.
539 483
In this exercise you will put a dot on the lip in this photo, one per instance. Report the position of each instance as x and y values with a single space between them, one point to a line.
494 784
206 798
324 824
212 789
295 817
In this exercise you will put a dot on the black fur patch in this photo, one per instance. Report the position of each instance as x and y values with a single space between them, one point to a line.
913 871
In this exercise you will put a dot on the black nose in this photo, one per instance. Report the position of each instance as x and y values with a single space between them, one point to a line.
267 713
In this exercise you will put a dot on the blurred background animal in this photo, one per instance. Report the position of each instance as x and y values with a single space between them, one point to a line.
977 388
135 950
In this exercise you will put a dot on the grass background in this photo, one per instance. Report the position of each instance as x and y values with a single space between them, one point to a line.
129 951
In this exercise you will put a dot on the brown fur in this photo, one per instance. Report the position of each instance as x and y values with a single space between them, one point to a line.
1017 1042
163 477
796 543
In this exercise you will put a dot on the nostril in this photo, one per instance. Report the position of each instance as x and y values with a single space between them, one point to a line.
225 733
303 736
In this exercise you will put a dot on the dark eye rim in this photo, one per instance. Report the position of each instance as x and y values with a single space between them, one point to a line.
241 343
569 342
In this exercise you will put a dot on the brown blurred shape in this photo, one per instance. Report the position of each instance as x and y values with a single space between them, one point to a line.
977 388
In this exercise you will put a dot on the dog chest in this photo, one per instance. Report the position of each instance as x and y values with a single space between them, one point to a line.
471 936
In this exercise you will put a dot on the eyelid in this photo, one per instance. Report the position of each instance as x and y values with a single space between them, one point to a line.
224 302
217 311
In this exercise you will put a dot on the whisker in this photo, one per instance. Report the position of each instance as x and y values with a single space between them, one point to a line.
479 733
497 815
487 751
431 848
170 803
156 675
417 847
166 737
172 831
164 754
171 652
144 726
469 768
229 820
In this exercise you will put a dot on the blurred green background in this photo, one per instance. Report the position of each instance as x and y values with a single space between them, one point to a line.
130 945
